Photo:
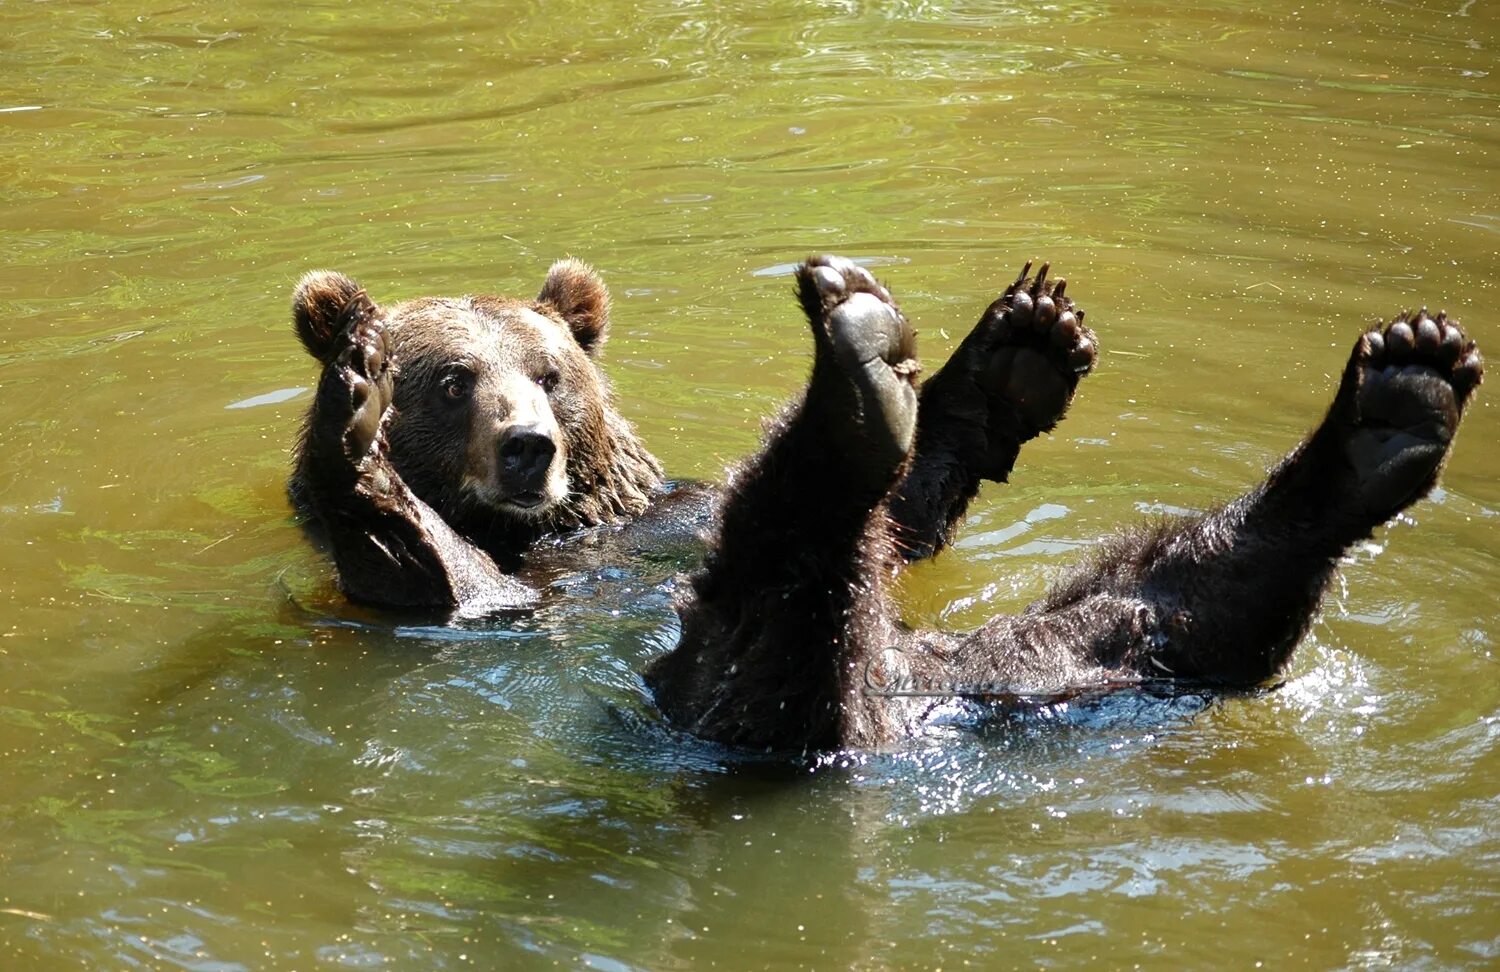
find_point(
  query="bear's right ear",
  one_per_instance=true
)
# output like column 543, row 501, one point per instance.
column 574, row 290
column 317, row 303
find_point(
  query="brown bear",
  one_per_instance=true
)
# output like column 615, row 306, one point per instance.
column 448, row 435
column 500, row 429
column 789, row 641
column 423, row 455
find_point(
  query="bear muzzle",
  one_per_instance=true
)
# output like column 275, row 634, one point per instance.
column 526, row 456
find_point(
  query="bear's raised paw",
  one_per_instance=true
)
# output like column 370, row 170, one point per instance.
column 1029, row 351
column 1402, row 397
column 860, row 332
column 354, row 393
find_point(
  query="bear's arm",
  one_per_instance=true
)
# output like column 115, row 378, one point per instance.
column 1011, row 379
column 393, row 551
column 1222, row 599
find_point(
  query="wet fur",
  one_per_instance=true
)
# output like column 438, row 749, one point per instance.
column 788, row 626
column 610, row 475
column 411, row 512
column 788, row 623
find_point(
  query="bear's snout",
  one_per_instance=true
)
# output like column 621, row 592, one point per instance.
column 526, row 453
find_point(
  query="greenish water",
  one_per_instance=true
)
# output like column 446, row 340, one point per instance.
column 208, row 762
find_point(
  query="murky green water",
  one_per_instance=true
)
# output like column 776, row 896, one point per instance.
column 207, row 762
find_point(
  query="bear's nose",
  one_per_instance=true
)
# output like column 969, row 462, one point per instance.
column 525, row 454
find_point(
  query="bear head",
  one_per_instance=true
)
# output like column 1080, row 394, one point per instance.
column 502, row 420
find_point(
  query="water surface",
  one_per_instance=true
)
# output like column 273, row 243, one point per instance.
column 208, row 762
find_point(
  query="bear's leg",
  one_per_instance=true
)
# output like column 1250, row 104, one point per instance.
column 1010, row 380
column 790, row 594
column 1225, row 597
column 391, row 549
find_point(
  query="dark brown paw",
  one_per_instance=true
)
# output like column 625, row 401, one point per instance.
column 1425, row 341
column 1035, row 312
column 858, row 326
column 354, row 393
column 1012, row 378
column 1030, row 350
column 1404, row 393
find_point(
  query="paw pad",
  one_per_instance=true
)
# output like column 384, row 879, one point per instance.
column 830, row 280
column 1400, row 405
column 1425, row 341
column 858, row 327
column 1035, row 308
column 848, row 306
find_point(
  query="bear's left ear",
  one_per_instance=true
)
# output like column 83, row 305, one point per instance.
column 574, row 291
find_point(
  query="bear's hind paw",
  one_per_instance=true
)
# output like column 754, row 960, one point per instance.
column 856, row 323
column 1029, row 351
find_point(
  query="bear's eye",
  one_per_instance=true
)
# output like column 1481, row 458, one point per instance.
column 455, row 386
column 548, row 380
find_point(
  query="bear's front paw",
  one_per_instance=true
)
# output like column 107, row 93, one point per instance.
column 355, row 390
column 860, row 331
column 1403, row 395
column 1028, row 353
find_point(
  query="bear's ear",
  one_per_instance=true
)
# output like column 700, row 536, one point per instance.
column 317, row 303
column 574, row 291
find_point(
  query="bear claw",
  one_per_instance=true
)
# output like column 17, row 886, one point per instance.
column 1437, row 343
column 1025, row 357
column 1036, row 306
